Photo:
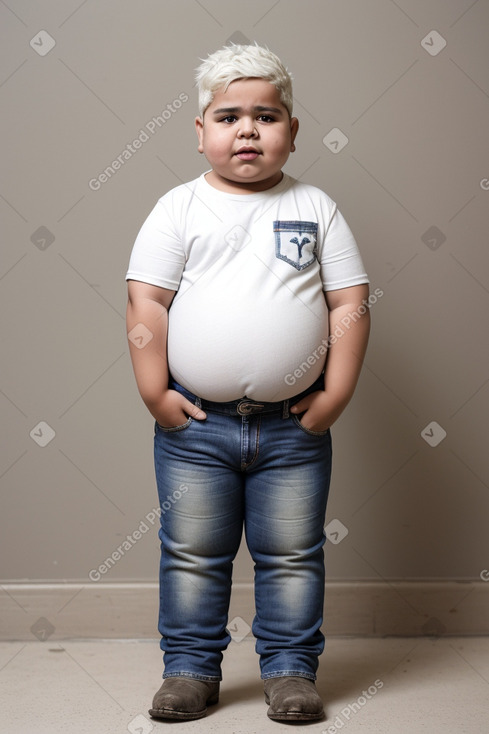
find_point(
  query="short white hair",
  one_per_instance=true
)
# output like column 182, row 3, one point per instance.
column 235, row 62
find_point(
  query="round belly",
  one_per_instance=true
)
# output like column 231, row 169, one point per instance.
column 270, row 351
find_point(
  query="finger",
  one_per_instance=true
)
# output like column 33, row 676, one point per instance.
column 193, row 411
column 301, row 406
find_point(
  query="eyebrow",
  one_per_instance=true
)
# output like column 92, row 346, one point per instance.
column 234, row 110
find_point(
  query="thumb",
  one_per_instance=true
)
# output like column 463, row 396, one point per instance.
column 194, row 411
column 300, row 407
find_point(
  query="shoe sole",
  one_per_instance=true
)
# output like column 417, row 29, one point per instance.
column 293, row 716
column 182, row 715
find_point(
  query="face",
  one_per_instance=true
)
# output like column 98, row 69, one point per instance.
column 247, row 136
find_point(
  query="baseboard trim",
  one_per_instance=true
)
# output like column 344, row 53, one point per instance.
column 61, row 611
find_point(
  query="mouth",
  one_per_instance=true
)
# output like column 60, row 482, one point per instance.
column 247, row 154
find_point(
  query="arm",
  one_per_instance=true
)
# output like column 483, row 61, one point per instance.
column 148, row 305
column 344, row 359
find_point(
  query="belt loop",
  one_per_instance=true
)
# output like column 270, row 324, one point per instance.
column 285, row 409
column 198, row 402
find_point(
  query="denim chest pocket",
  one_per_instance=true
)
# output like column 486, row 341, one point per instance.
column 296, row 242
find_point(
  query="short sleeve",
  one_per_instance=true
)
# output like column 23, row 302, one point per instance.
column 158, row 255
column 340, row 260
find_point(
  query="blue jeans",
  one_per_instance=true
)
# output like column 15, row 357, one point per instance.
column 250, row 465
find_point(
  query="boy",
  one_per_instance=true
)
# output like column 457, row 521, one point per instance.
column 236, row 280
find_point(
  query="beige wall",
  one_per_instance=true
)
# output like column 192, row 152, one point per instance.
column 416, row 160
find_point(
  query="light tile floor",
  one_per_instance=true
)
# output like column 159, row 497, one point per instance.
column 412, row 685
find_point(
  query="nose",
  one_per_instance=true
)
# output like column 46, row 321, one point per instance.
column 247, row 128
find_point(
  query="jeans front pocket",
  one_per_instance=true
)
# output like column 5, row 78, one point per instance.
column 308, row 431
column 174, row 429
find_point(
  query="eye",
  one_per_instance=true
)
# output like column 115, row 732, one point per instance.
column 266, row 118
column 229, row 119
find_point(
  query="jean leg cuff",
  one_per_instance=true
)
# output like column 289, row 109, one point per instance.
column 195, row 676
column 289, row 673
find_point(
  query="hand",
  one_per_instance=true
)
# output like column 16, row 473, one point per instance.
column 320, row 411
column 173, row 409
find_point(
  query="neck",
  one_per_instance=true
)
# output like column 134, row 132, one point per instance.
column 245, row 187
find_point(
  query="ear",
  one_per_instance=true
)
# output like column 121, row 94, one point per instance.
column 294, row 127
column 199, row 129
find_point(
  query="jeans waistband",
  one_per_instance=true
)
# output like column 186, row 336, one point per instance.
column 245, row 406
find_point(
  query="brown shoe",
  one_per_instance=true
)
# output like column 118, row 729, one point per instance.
column 184, row 698
column 292, row 698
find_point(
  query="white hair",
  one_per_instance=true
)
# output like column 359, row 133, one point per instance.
column 234, row 62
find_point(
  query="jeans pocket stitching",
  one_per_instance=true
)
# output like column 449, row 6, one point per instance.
column 307, row 431
column 175, row 429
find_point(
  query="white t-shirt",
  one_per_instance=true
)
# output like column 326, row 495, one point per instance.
column 249, row 271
